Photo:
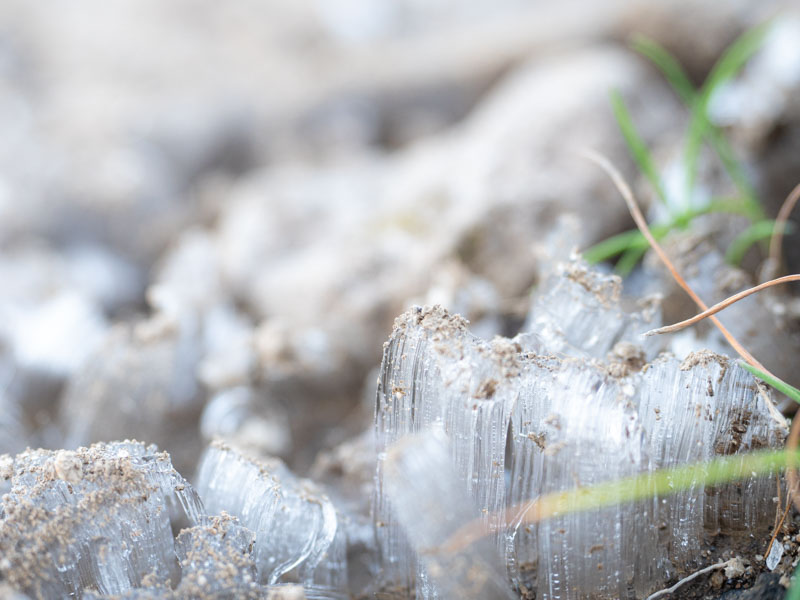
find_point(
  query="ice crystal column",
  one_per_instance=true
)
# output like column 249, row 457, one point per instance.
column 95, row 518
column 216, row 560
column 695, row 409
column 295, row 525
column 574, row 425
column 522, row 422
column 579, row 312
column 433, row 508
column 436, row 373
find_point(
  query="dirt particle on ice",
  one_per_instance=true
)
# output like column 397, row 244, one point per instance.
column 67, row 466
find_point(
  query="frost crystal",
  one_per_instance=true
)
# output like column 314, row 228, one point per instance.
column 96, row 518
column 521, row 422
column 295, row 525
column 580, row 314
column 432, row 507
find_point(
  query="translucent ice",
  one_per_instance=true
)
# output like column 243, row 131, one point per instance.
column 522, row 422
column 432, row 507
column 96, row 518
column 578, row 311
column 216, row 560
column 295, row 525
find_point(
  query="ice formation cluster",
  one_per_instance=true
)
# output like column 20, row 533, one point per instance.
column 98, row 523
column 468, row 431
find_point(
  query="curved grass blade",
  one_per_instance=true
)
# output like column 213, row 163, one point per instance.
column 629, row 259
column 636, row 146
column 783, row 387
column 676, row 76
column 762, row 230
column 794, row 591
column 612, row 246
column 728, row 65
column 668, row 65
column 663, row 482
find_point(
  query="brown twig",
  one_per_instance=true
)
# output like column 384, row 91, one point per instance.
column 543, row 507
column 724, row 304
column 707, row 569
column 777, row 529
column 791, row 462
column 641, row 223
column 780, row 224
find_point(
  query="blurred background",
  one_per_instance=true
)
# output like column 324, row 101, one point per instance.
column 211, row 213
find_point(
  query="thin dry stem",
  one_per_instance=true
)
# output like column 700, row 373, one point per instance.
column 777, row 529
column 687, row 579
column 776, row 415
column 791, row 462
column 722, row 305
column 641, row 223
column 780, row 225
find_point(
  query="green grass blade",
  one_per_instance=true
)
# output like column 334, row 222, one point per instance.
column 735, row 170
column 734, row 58
column 762, row 230
column 728, row 65
column 794, row 591
column 629, row 259
column 664, row 482
column 733, row 206
column 680, row 82
column 778, row 384
column 636, row 146
column 612, row 246
column 668, row 65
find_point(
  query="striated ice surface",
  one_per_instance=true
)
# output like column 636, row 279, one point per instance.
column 432, row 507
column 248, row 421
column 572, row 403
column 578, row 311
column 296, row 526
column 99, row 518
column 216, row 560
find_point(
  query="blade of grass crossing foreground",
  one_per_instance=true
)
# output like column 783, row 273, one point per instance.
column 726, row 67
column 662, row 483
column 778, row 384
column 636, row 146
column 762, row 230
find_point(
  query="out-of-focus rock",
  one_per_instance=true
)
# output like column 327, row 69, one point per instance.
column 246, row 421
column 141, row 382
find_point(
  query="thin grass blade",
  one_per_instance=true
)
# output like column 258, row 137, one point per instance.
column 778, row 384
column 668, row 65
column 636, row 146
column 762, row 230
column 729, row 64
